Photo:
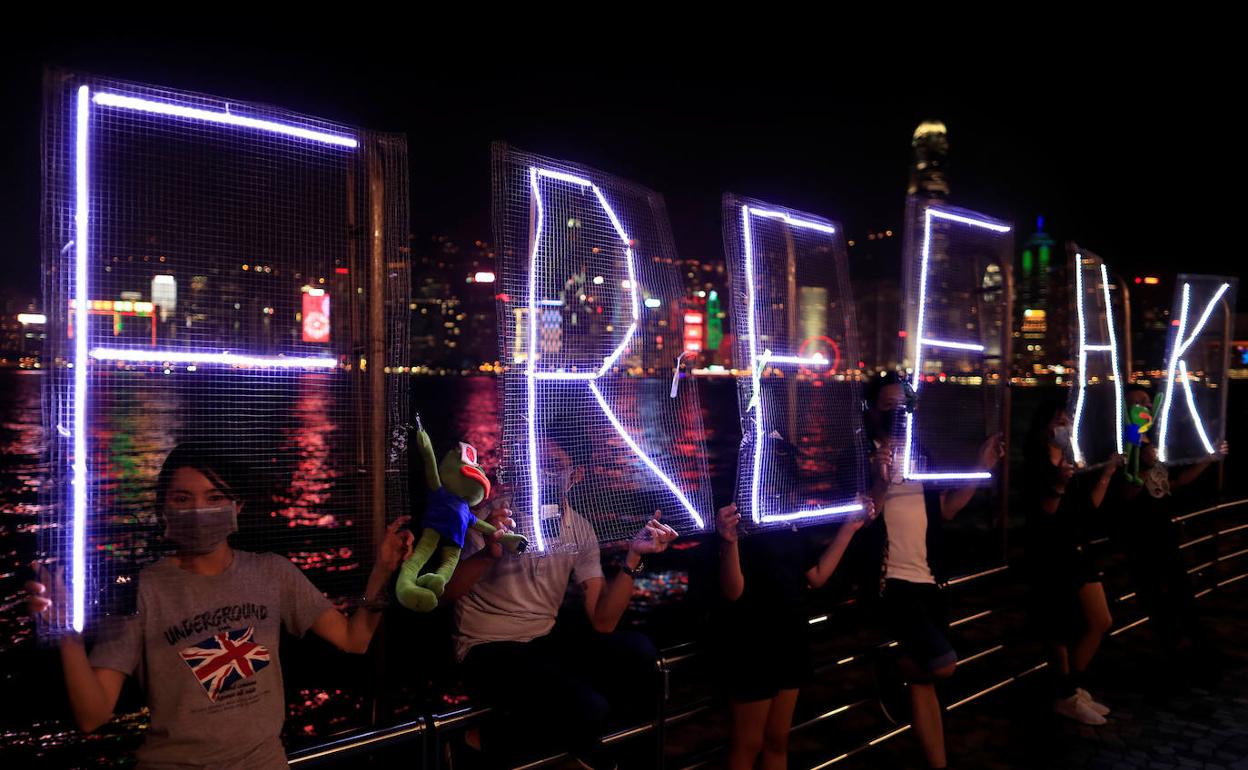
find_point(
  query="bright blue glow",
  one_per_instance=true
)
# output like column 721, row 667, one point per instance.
column 758, row 363
column 1191, row 405
column 946, row 476
column 1084, row 349
column 81, row 356
column 225, row 358
column 1076, row 452
column 619, row 428
column 794, row 221
column 815, row 514
column 929, row 342
column 81, row 324
column 929, row 214
column 105, row 99
column 993, row 226
column 533, row 376
column 1113, row 354
column 1181, row 345
column 530, row 363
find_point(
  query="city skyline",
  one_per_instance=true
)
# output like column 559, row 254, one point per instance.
column 1087, row 160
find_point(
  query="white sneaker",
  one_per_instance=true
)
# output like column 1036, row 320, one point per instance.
column 1077, row 709
column 1099, row 708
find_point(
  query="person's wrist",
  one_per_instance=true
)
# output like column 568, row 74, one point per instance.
column 379, row 576
column 632, row 560
column 375, row 601
column 633, row 572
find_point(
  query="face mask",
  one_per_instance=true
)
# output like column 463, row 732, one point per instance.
column 1061, row 436
column 555, row 486
column 885, row 422
column 200, row 530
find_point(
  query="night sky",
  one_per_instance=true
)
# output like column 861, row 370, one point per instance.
column 1134, row 165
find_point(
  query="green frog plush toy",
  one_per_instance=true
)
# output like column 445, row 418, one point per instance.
column 1139, row 420
column 455, row 486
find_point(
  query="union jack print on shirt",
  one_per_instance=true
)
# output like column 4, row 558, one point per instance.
column 222, row 660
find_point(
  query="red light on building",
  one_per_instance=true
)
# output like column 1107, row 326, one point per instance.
column 342, row 271
column 316, row 317
column 694, row 331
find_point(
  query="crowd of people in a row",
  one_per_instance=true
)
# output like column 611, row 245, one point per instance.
column 203, row 642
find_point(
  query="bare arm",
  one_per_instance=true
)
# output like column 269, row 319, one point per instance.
column 1192, row 472
column 354, row 634
column 605, row 602
column 1101, row 487
column 475, row 567
column 93, row 692
column 952, row 501
column 731, row 578
column 831, row 557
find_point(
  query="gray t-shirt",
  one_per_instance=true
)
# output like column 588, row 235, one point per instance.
column 205, row 651
column 518, row 599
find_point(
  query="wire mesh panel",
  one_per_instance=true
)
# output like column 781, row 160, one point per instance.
column 954, row 338
column 591, row 335
column 218, row 272
column 800, row 398
column 1096, row 406
column 1191, row 418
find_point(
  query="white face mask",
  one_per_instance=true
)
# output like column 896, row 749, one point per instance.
column 555, row 485
column 200, row 530
column 1061, row 436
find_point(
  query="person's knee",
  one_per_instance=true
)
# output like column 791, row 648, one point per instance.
column 590, row 711
column 747, row 735
column 776, row 741
column 1101, row 622
column 748, row 742
column 944, row 672
column 939, row 667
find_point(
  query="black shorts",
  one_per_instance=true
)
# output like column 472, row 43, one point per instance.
column 917, row 616
column 765, row 659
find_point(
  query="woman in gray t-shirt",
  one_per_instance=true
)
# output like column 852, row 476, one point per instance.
column 203, row 642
